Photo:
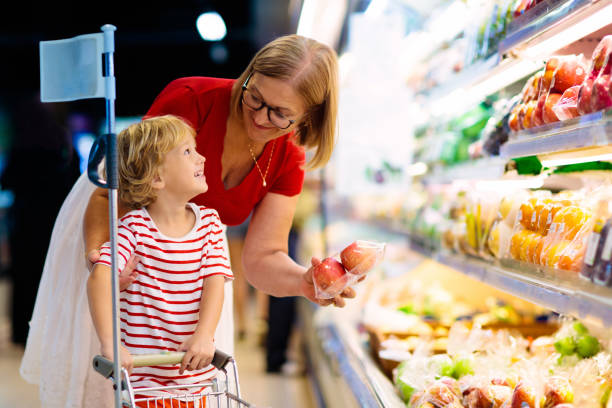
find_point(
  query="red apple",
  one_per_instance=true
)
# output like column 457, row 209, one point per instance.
column 523, row 396
column 584, row 97
column 548, row 114
column 359, row 257
column 601, row 57
column 570, row 72
column 567, row 107
column 600, row 97
column 328, row 275
column 539, row 111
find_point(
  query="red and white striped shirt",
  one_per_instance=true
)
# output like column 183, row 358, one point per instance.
column 160, row 310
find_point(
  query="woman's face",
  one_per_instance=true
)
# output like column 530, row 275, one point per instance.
column 277, row 100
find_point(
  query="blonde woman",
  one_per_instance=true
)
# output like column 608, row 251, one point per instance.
column 253, row 132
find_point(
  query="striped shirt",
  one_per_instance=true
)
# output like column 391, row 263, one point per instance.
column 160, row 310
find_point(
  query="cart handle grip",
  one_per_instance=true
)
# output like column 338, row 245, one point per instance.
column 104, row 366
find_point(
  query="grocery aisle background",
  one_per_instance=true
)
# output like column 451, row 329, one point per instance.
column 259, row 388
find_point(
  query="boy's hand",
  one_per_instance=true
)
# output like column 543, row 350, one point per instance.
column 199, row 352
column 127, row 361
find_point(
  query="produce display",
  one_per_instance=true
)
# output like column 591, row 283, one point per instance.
column 568, row 86
column 597, row 266
column 416, row 312
column 554, row 230
column 484, row 368
column 442, row 348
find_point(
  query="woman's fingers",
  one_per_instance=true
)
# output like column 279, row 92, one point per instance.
column 339, row 301
column 348, row 293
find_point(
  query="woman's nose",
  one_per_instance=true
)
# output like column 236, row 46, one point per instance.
column 261, row 116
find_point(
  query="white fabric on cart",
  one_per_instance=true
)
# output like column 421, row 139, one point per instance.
column 62, row 340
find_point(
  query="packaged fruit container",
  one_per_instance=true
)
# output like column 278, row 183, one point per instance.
column 551, row 232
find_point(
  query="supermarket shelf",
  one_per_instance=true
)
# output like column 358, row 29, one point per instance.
column 536, row 21
column 561, row 291
column 546, row 28
column 489, row 168
column 587, row 133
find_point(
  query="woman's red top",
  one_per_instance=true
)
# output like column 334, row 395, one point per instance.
column 205, row 104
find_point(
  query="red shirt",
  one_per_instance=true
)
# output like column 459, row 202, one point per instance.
column 205, row 104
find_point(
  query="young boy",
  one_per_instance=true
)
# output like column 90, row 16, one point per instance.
column 176, row 299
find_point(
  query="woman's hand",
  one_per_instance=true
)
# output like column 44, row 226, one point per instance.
column 308, row 290
column 199, row 352
column 126, row 277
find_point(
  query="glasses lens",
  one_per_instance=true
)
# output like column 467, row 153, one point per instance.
column 251, row 100
column 278, row 119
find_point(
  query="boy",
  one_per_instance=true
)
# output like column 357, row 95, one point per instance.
column 176, row 298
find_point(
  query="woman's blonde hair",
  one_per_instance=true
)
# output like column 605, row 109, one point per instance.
column 312, row 69
column 142, row 148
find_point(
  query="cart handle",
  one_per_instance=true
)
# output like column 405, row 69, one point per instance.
column 104, row 366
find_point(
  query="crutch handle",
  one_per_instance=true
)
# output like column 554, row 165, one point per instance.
column 104, row 366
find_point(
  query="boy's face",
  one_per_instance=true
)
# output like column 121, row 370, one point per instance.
column 182, row 172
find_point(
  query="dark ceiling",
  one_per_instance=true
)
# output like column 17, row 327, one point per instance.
column 154, row 44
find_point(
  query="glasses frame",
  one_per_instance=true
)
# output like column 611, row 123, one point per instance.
column 263, row 105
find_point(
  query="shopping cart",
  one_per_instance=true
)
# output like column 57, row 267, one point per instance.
column 214, row 395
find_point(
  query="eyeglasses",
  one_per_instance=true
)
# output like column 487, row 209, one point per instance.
column 256, row 103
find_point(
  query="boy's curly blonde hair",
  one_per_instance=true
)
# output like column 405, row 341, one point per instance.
column 141, row 148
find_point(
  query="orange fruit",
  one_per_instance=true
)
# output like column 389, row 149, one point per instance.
column 516, row 243
column 570, row 220
column 555, row 252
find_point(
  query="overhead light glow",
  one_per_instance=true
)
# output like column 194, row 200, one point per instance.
column 211, row 26
column 554, row 162
column 416, row 169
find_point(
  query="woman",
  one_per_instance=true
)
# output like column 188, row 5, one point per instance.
column 251, row 131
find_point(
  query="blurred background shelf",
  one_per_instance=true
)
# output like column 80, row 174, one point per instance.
column 586, row 136
column 551, row 27
column 564, row 292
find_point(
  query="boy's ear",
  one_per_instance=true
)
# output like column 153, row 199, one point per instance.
column 158, row 183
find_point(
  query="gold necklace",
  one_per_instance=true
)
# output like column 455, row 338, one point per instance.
column 263, row 176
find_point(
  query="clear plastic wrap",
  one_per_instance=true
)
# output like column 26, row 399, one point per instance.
column 594, row 91
column 567, row 106
column 552, row 231
column 337, row 272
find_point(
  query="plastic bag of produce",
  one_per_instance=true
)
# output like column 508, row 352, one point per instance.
column 561, row 73
column 588, row 100
column 567, row 106
column 444, row 392
column 337, row 272
column 597, row 264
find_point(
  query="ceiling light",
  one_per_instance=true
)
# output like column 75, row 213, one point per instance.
column 211, row 26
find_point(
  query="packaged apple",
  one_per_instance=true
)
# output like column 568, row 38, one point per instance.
column 591, row 98
column 561, row 74
column 567, row 106
column 337, row 272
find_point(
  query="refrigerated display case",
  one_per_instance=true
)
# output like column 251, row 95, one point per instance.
column 538, row 158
